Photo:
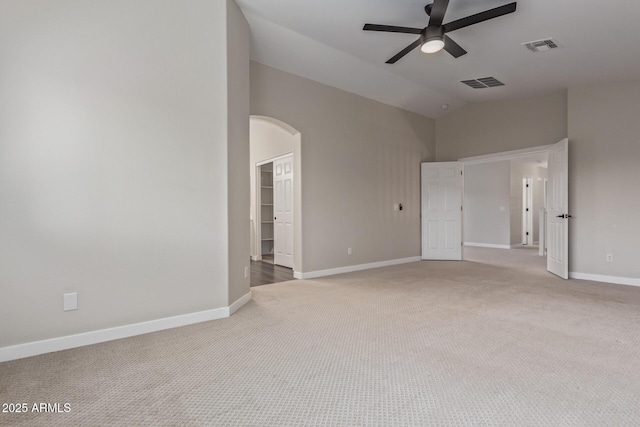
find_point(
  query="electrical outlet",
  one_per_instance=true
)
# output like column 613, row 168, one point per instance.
column 246, row 272
column 396, row 207
column 349, row 251
column 70, row 301
column 609, row 257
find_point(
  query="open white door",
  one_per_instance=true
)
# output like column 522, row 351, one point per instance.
column 283, row 211
column 558, row 210
column 442, row 211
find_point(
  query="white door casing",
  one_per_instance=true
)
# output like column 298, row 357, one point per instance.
column 441, row 211
column 558, row 210
column 283, row 211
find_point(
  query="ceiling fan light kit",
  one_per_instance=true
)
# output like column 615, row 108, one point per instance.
column 433, row 46
column 433, row 37
column 432, row 40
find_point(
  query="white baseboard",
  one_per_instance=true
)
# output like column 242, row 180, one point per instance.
column 350, row 268
column 487, row 245
column 629, row 281
column 239, row 303
column 35, row 348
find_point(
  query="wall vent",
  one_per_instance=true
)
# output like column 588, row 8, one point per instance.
column 541, row 45
column 483, row 82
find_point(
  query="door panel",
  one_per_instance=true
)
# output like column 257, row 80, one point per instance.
column 441, row 211
column 558, row 210
column 433, row 235
column 450, row 235
column 283, row 211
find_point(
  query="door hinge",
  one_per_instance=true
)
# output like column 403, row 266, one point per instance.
column 527, row 185
column 527, row 233
column 527, row 209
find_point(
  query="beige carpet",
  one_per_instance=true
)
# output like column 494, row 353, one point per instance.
column 472, row 343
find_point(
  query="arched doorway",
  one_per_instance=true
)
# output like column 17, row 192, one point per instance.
column 272, row 141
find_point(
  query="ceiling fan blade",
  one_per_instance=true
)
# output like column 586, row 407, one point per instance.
column 404, row 51
column 437, row 12
column 453, row 48
column 480, row 17
column 392, row 29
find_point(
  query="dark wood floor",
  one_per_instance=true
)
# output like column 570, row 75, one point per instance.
column 264, row 273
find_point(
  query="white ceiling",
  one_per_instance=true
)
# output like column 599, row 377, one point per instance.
column 324, row 41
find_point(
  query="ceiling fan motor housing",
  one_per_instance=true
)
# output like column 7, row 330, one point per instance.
column 432, row 33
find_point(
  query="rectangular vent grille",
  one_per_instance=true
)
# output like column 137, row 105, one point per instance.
column 483, row 83
column 541, row 45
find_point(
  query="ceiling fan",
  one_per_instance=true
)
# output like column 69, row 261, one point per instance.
column 433, row 37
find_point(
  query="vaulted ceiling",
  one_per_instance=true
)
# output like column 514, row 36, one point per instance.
column 323, row 41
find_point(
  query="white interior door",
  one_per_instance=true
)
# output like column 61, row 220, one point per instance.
column 558, row 210
column 442, row 211
column 283, row 211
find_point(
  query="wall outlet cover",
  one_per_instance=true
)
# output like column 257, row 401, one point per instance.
column 70, row 301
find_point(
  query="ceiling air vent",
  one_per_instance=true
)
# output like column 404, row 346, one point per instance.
column 541, row 45
column 484, row 82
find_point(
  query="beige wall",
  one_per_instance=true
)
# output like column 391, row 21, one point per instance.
column 604, row 150
column 486, row 203
column 359, row 157
column 493, row 127
column 238, row 150
column 113, row 163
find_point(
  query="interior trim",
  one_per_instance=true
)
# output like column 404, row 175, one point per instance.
column 504, row 155
column 629, row 281
column 350, row 268
column 487, row 245
column 36, row 348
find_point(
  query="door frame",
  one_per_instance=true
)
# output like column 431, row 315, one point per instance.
column 298, row 260
column 506, row 155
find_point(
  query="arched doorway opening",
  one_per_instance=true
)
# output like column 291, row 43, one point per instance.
column 275, row 147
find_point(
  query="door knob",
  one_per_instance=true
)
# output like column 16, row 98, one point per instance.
column 563, row 216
